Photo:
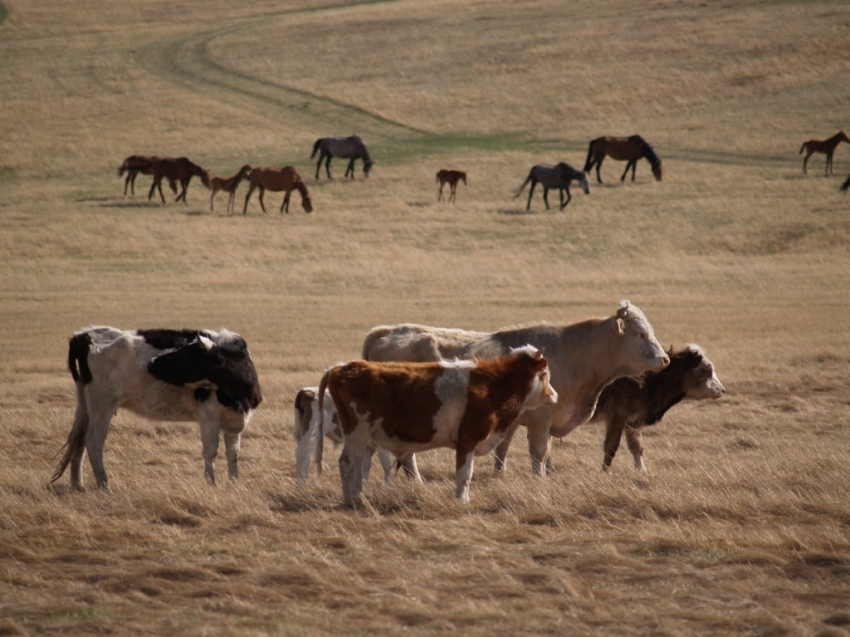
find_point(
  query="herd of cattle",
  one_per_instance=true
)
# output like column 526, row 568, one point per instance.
column 415, row 388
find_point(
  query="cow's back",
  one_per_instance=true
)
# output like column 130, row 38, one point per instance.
column 408, row 342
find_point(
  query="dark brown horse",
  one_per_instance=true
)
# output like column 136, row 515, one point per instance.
column 136, row 164
column 450, row 177
column 228, row 185
column 628, row 149
column 180, row 169
column 278, row 179
column 845, row 186
column 559, row 176
column 825, row 146
column 350, row 148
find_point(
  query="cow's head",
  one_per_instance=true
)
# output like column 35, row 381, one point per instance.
column 637, row 350
column 700, row 378
column 540, row 391
column 217, row 359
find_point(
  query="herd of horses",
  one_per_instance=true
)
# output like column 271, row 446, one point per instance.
column 632, row 149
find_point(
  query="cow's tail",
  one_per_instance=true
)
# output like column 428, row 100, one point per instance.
column 316, row 147
column 78, row 357
column 802, row 148
column 524, row 184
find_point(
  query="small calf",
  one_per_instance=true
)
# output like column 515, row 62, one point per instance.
column 633, row 403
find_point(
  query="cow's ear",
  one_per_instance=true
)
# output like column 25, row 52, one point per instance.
column 618, row 326
column 540, row 353
column 623, row 310
column 206, row 344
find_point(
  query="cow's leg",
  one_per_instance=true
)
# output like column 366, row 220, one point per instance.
column 464, row 462
column 613, row 434
column 386, row 460
column 354, row 450
column 502, row 450
column 209, row 444
column 408, row 463
column 634, row 438
column 95, row 440
column 232, row 443
column 539, row 445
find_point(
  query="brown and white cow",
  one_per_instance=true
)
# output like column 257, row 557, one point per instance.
column 409, row 407
column 306, row 423
column 633, row 403
column 583, row 357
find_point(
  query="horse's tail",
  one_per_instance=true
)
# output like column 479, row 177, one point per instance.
column 316, row 147
column 845, row 186
column 525, row 183
column 320, row 435
column 589, row 161
column 802, row 148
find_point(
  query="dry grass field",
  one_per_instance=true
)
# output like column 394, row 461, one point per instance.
column 741, row 525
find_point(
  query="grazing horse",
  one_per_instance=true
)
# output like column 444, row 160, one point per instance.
column 136, row 164
column 180, row 169
column 450, row 177
column 825, row 146
column 628, row 149
column 845, row 185
column 350, row 148
column 228, row 185
column 559, row 176
column 277, row 179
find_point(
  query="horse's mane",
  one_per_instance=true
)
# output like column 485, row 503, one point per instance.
column 302, row 188
column 648, row 152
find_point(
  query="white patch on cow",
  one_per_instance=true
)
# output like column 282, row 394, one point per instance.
column 451, row 388
column 490, row 442
column 529, row 350
column 463, row 477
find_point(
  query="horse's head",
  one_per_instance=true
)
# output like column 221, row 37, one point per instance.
column 307, row 203
column 843, row 136
column 584, row 180
column 656, row 171
column 463, row 176
column 367, row 167
column 205, row 177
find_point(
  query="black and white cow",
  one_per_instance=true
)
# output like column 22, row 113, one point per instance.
column 161, row 374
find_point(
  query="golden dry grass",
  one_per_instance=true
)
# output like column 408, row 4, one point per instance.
column 742, row 523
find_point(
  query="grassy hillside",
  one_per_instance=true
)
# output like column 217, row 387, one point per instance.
column 741, row 524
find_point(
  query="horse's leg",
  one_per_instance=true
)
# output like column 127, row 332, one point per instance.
column 328, row 165
column 806, row 161
column 569, row 198
column 530, row 192
column 350, row 169
column 127, row 182
column 453, row 192
column 319, row 165
column 626, row 171
column 440, row 193
column 262, row 205
column 184, row 185
column 157, row 184
column 284, row 206
column 828, row 169
column 212, row 198
column 598, row 166
column 231, row 200
column 546, row 196
column 247, row 197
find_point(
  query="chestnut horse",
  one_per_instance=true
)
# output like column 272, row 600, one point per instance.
column 559, row 176
column 450, row 177
column 180, row 169
column 825, row 146
column 228, row 185
column 350, row 148
column 136, row 164
column 628, row 149
column 277, row 179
